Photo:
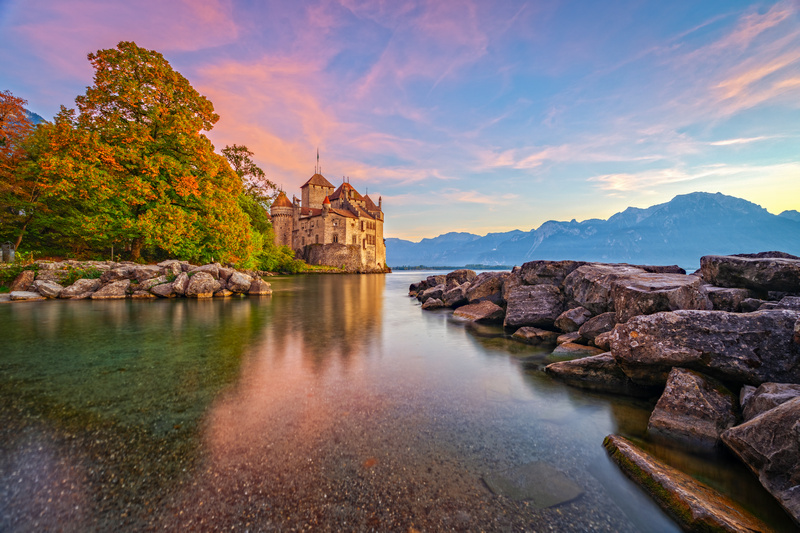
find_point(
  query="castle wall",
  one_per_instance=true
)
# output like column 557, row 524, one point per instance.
column 313, row 195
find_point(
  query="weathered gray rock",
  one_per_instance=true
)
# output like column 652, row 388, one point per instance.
column 119, row 273
column 433, row 281
column 770, row 446
column 211, row 268
column 538, row 483
column 180, row 284
column 647, row 293
column 172, row 266
column 597, row 325
column 745, row 393
column 145, row 272
column 694, row 409
column 142, row 295
column 259, row 287
column 571, row 350
column 727, row 299
column 787, row 302
column 148, row 284
column 568, row 337
column 598, row 373
column 603, row 341
column 48, row 289
column 79, row 288
column 165, row 290
column 202, row 284
column 751, row 304
column 572, row 319
column 766, row 397
column 24, row 296
column 487, row 286
column 415, row 288
column 238, row 282
column 485, row 311
column 537, row 305
column 759, row 274
column 514, row 279
column 223, row 293
column 591, row 285
column 661, row 269
column 750, row 348
column 433, row 303
column 23, row 281
column 548, row 272
column 535, row 336
column 458, row 277
column 457, row 296
column 796, row 336
column 53, row 275
column 694, row 505
column 435, row 292
column 225, row 273
column 112, row 291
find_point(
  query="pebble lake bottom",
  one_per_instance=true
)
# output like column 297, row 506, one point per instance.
column 336, row 404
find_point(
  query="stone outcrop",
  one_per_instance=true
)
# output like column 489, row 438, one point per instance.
column 433, row 303
column 165, row 290
column 769, row 445
column 459, row 277
column 80, row 289
column 148, row 284
column 180, row 284
column 572, row 319
column 537, row 305
column 457, row 296
column 597, row 325
column 767, row 396
column 259, row 287
column 435, row 292
column 238, row 282
column 114, row 290
column 694, row 505
column 25, row 296
column 486, row 286
column 548, row 272
column 23, row 281
column 48, row 289
column 727, row 299
column 202, row 284
column 759, row 274
column 694, row 409
column 647, row 293
column 211, row 268
column 748, row 348
column 598, row 373
column 591, row 285
column 485, row 311
column 787, row 302
column 535, row 336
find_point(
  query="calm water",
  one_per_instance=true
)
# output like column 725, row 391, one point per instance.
column 335, row 404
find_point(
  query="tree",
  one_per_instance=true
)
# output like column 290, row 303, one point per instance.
column 144, row 174
column 255, row 182
column 17, row 194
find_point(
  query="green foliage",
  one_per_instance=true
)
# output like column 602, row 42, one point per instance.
column 10, row 271
column 81, row 273
column 254, row 181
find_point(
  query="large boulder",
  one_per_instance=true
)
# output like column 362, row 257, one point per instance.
column 485, row 312
column 172, row 266
column 59, row 276
column 572, row 319
column 571, row 350
column 727, row 298
column 165, row 290
column 457, row 296
column 458, row 277
column 693, row 409
column 23, row 281
column 694, row 505
column 770, row 446
column 648, row 293
column 210, row 268
column 745, row 348
column 547, row 272
column 259, row 287
column 119, row 273
column 112, row 291
column 435, row 292
column 598, row 373
column 80, row 289
column 180, row 284
column 24, row 296
column 538, row 305
column 148, row 284
column 766, row 397
column 202, row 284
column 48, row 289
column 225, row 273
column 514, row 279
column 433, row 303
column 759, row 274
column 597, row 325
column 145, row 272
column 787, row 302
column 591, row 285
column 487, row 286
column 535, row 336
column 238, row 282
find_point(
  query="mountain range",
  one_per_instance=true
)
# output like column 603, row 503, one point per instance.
column 676, row 232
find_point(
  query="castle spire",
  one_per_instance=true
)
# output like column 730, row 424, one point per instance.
column 316, row 168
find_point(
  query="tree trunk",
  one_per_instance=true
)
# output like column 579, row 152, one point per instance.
column 136, row 248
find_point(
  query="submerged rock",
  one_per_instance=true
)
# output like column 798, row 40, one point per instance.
column 694, row 505
column 538, row 306
column 761, row 274
column 535, row 336
column 539, row 483
column 770, row 446
column 260, row 287
column 598, row 373
column 568, row 337
column 571, row 350
column 694, row 409
column 767, row 396
column 481, row 312
column 433, row 303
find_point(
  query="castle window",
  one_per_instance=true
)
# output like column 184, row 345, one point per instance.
column 316, row 238
column 335, row 237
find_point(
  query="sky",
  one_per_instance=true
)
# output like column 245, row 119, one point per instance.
column 477, row 116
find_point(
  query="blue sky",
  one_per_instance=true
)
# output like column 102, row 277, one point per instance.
column 464, row 116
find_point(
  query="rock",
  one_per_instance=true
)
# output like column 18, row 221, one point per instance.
column 645, row 294
column 766, row 397
column 433, row 303
column 25, row 296
column 53, row 275
column 751, row 304
column 79, row 288
column 487, row 286
column 415, row 288
column 172, row 266
column 548, row 272
column 572, row 319
column 458, row 277
column 541, row 484
column 165, row 290
column 694, row 409
column 749, row 348
column 568, row 337
column 211, row 268
column 259, row 287
column 202, row 284
column 457, row 296
column 180, row 284
column 603, row 341
column 727, row 299
column 535, row 336
column 486, row 312
column 538, row 305
column 597, row 325
column 23, row 281
column 512, row 280
column 598, row 373
column 48, row 289
column 226, row 273
column 591, row 285
column 435, row 292
column 112, row 291
column 745, row 394
column 759, row 274
column 223, row 293
column 759, row 255
column 116, row 274
column 433, row 281
column 238, row 282
column 787, row 302
column 694, row 505
column 570, row 350
column 142, row 295
column 148, row 284
column 662, row 269
column 145, row 272
column 770, row 446
column 796, row 336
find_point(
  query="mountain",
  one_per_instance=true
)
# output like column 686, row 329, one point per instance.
column 676, row 232
column 34, row 118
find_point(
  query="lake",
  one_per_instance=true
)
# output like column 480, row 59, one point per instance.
column 335, row 404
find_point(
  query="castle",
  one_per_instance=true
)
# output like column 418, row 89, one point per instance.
column 331, row 227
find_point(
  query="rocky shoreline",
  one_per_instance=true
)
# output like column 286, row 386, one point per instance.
column 107, row 280
column 719, row 348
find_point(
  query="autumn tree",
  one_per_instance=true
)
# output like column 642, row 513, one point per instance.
column 135, row 158
column 254, row 181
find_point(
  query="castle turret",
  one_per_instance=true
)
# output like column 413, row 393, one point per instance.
column 282, row 214
column 326, row 207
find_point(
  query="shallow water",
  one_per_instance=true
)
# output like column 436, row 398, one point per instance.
column 334, row 404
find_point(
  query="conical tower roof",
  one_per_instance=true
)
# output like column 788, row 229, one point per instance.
column 282, row 200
